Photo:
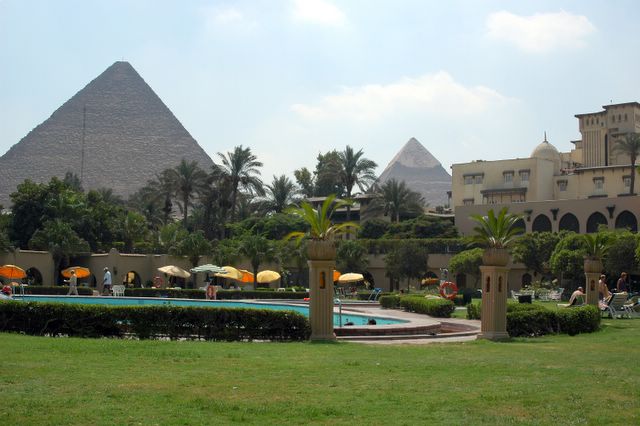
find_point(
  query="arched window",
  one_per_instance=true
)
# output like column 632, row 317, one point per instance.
column 131, row 279
column 526, row 279
column 594, row 221
column 627, row 220
column 34, row 277
column 520, row 224
column 541, row 224
column 569, row 222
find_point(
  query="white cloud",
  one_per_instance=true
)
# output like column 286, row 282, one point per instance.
column 216, row 18
column 437, row 94
column 541, row 32
column 319, row 12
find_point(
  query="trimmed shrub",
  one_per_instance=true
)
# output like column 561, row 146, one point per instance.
column 437, row 307
column 585, row 319
column 473, row 311
column 222, row 294
column 148, row 322
column 389, row 301
column 531, row 322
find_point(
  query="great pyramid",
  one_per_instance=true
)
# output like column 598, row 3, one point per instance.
column 421, row 171
column 115, row 133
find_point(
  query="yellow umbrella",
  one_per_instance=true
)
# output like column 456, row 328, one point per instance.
column 230, row 272
column 81, row 272
column 174, row 271
column 350, row 278
column 12, row 272
column 267, row 276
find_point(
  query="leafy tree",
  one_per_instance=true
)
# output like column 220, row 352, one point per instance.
column 621, row 253
column 355, row 171
column 5, row 243
column 630, row 146
column 170, row 236
column 280, row 194
column 73, row 181
column 157, row 195
column 567, row 259
column 193, row 246
column 242, row 169
column 226, row 251
column 433, row 227
column 373, row 228
column 292, row 256
column 351, row 256
column 27, row 211
column 187, row 180
column 406, row 261
column 133, row 230
column 395, row 199
column 99, row 223
column 274, row 227
column 304, row 179
column 257, row 249
column 59, row 239
column 467, row 262
column 327, row 174
column 534, row 250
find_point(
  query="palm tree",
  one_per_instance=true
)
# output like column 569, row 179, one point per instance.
column 394, row 198
column 160, row 190
column 630, row 146
column 257, row 249
column 321, row 227
column 241, row 166
column 496, row 234
column 356, row 170
column 280, row 194
column 188, row 180
column 193, row 246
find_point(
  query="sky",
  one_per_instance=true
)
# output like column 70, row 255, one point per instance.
column 293, row 78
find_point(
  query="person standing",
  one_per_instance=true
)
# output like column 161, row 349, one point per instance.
column 622, row 285
column 73, row 283
column 106, row 282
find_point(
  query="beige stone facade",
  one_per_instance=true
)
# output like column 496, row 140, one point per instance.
column 577, row 190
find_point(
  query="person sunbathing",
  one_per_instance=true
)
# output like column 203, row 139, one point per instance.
column 576, row 299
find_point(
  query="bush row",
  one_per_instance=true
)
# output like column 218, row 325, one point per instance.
column 437, row 307
column 535, row 320
column 389, row 301
column 152, row 322
column 222, row 294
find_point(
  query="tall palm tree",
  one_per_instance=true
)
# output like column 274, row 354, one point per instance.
column 242, row 168
column 394, row 199
column 356, row 170
column 630, row 145
column 160, row 190
column 188, row 180
column 280, row 194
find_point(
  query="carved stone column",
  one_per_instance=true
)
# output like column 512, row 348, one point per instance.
column 592, row 271
column 321, row 265
column 494, row 295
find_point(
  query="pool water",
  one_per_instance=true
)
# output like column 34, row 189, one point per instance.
column 354, row 319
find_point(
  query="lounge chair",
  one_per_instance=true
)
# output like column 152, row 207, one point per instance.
column 556, row 294
column 615, row 305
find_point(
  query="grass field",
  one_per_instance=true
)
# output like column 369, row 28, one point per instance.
column 586, row 379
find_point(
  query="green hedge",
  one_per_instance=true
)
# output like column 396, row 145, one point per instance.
column 441, row 308
column 224, row 324
column 433, row 245
column 530, row 320
column 58, row 290
column 222, row 294
column 389, row 301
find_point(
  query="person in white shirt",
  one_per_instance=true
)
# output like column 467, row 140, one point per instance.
column 106, row 282
column 73, row 283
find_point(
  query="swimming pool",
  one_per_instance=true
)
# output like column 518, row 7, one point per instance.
column 355, row 319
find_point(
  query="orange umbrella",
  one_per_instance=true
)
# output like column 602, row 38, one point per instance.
column 12, row 272
column 336, row 275
column 247, row 277
column 81, row 272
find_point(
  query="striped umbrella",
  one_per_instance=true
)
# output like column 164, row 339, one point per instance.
column 212, row 269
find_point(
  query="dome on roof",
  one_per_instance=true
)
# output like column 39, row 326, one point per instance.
column 546, row 151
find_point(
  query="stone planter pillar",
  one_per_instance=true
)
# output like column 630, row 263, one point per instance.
column 494, row 295
column 592, row 271
column 321, row 265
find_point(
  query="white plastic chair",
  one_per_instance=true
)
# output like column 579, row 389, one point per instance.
column 118, row 290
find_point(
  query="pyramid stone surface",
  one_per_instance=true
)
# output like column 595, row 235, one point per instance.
column 129, row 135
column 421, row 172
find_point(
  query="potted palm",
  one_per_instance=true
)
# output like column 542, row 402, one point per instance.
column 596, row 246
column 496, row 234
column 322, row 231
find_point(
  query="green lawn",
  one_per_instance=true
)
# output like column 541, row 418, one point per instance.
column 586, row 379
